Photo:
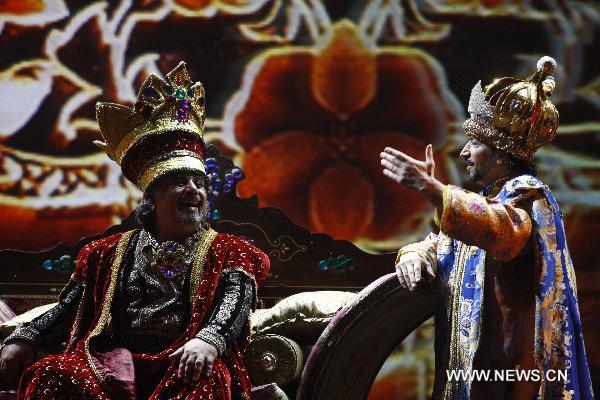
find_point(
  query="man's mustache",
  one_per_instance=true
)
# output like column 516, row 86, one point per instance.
column 190, row 200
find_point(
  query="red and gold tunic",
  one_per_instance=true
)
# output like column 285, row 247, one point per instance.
column 90, row 368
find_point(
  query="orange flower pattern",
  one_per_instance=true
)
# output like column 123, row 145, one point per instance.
column 315, row 122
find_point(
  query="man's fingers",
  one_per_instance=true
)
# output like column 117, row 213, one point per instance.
column 413, row 274
column 395, row 167
column 208, row 369
column 398, row 154
column 406, row 275
column 429, row 160
column 392, row 175
column 181, row 369
column 389, row 165
column 429, row 269
column 190, row 366
column 403, row 276
column 417, row 272
column 401, row 272
column 197, row 369
column 399, row 275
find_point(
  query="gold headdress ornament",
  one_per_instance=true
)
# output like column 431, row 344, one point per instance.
column 161, row 134
column 514, row 115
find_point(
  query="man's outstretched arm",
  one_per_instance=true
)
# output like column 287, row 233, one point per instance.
column 502, row 229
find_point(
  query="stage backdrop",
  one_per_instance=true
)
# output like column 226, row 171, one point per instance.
column 304, row 94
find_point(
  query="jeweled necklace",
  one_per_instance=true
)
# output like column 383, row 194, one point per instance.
column 171, row 258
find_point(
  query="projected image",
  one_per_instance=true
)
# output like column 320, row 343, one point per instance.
column 303, row 95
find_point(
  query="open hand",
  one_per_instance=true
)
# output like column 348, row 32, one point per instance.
column 406, row 170
column 413, row 174
column 196, row 357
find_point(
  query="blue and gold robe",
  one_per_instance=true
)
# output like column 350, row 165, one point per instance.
column 474, row 227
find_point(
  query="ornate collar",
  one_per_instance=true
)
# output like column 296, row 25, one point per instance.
column 171, row 258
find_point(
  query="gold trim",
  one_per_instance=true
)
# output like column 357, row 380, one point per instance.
column 106, row 306
column 481, row 302
column 451, row 387
column 199, row 263
column 78, row 316
column 168, row 165
column 425, row 249
column 415, row 248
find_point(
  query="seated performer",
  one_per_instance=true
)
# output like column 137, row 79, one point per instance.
column 507, row 295
column 160, row 312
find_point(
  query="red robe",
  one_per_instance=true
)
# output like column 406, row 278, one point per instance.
column 83, row 373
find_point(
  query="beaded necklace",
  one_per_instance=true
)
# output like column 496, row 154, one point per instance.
column 171, row 258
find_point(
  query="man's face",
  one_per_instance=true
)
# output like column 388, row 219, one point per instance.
column 480, row 160
column 180, row 200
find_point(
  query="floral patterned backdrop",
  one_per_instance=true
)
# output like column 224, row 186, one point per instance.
column 304, row 94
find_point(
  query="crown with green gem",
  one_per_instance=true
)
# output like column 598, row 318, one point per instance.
column 174, row 104
column 162, row 133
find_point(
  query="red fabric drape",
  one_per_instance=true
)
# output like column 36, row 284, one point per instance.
column 73, row 375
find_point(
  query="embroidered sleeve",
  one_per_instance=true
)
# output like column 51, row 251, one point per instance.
column 426, row 250
column 53, row 326
column 501, row 229
column 235, row 296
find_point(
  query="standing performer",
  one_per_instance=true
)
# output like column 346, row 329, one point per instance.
column 506, row 285
column 160, row 312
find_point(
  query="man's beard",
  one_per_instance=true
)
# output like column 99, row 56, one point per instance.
column 477, row 175
column 474, row 177
column 188, row 218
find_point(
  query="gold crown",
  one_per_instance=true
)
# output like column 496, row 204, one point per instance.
column 514, row 115
column 163, row 133
column 174, row 105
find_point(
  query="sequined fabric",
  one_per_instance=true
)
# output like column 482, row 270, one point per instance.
column 65, row 376
column 68, row 376
column 235, row 296
column 477, row 231
column 154, row 309
column 52, row 327
column 99, row 266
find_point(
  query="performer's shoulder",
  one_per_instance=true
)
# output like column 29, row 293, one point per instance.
column 526, row 183
column 232, row 240
column 529, row 187
column 236, row 243
column 100, row 244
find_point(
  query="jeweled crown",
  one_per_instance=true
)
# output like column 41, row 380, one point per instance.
column 163, row 132
column 514, row 115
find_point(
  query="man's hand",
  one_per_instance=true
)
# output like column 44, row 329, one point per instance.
column 414, row 174
column 14, row 359
column 410, row 270
column 195, row 356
